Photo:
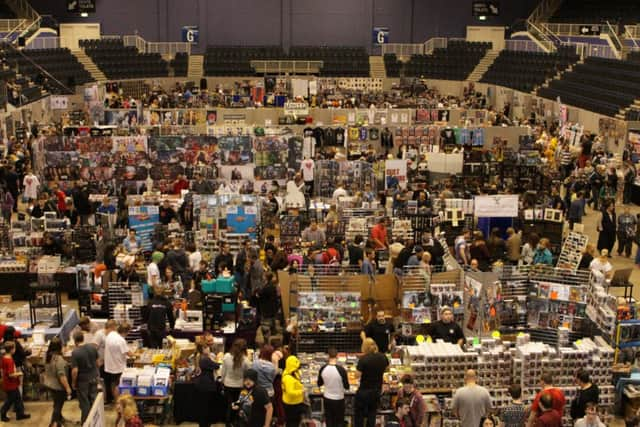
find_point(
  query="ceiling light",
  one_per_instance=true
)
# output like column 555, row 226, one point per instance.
column 84, row 14
column 482, row 18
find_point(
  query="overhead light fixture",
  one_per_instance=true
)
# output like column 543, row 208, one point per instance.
column 482, row 18
column 84, row 14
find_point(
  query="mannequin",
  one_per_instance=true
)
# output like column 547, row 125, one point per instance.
column 294, row 197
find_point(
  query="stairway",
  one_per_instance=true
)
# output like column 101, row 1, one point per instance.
column 89, row 65
column 196, row 68
column 377, row 69
column 483, row 66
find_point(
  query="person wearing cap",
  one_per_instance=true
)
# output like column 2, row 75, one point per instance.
column 446, row 328
column 414, row 260
column 254, row 405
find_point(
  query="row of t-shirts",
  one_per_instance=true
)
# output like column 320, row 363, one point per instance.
column 325, row 137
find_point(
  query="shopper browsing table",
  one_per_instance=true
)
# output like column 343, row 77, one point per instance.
column 380, row 331
column 379, row 236
column 399, row 418
column 417, row 407
column 371, row 367
column 116, row 352
column 335, row 381
column 313, row 236
column 55, row 380
column 471, row 402
column 84, row 374
column 253, row 405
column 158, row 312
column 446, row 328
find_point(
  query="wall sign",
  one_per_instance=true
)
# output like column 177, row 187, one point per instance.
column 190, row 34
column 81, row 6
column 380, row 35
column 296, row 109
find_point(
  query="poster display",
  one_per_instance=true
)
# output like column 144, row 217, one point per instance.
column 242, row 219
column 143, row 219
column 235, row 150
column 395, row 173
column 498, row 206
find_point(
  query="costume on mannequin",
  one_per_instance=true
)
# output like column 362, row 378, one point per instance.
column 294, row 197
column 307, row 168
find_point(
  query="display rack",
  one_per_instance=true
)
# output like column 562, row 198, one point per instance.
column 45, row 297
column 572, row 249
column 125, row 303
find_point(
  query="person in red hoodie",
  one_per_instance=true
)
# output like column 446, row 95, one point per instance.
column 11, row 385
column 557, row 397
column 547, row 416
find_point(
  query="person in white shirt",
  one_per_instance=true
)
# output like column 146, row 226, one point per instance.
column 99, row 339
column 335, row 381
column 602, row 265
column 339, row 193
column 153, row 272
column 194, row 258
column 30, row 183
column 591, row 418
column 116, row 352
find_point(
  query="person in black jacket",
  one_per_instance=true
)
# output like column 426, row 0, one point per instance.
column 159, row 311
column 225, row 258
column 587, row 392
column 207, row 391
column 607, row 228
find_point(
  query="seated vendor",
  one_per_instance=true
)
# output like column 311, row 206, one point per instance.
column 313, row 236
column 132, row 243
column 446, row 328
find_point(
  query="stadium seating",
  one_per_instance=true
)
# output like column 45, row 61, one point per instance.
column 118, row 61
column 600, row 85
column 60, row 63
column 525, row 71
column 236, row 60
column 180, row 64
column 392, row 65
column 598, row 11
column 455, row 62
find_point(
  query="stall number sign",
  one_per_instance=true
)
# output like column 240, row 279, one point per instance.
column 380, row 35
column 190, row 34
column 296, row 108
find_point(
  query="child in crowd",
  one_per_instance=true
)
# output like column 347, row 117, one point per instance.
column 11, row 385
column 128, row 412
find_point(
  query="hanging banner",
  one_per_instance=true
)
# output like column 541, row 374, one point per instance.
column 498, row 206
column 242, row 219
column 395, row 173
column 296, row 109
column 143, row 219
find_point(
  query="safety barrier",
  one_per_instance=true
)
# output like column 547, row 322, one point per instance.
column 403, row 49
column 44, row 43
column 522, row 46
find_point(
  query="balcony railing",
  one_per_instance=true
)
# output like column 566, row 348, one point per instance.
column 403, row 49
column 291, row 67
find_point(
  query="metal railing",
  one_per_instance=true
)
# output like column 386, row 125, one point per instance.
column 522, row 46
column 435, row 43
column 613, row 35
column 571, row 29
column 539, row 34
column 44, row 43
column 403, row 49
column 632, row 31
column 8, row 25
column 282, row 67
column 163, row 48
column 585, row 50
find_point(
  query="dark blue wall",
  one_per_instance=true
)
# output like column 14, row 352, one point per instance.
column 288, row 22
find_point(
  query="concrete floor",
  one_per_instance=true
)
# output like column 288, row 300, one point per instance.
column 41, row 411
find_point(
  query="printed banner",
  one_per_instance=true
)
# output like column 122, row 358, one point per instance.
column 143, row 219
column 395, row 173
column 498, row 206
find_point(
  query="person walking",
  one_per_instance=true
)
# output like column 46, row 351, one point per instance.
column 292, row 392
column 335, row 381
column 607, row 228
column 471, row 402
column 371, row 367
column 11, row 385
column 55, row 380
column 627, row 225
column 234, row 364
column 84, row 374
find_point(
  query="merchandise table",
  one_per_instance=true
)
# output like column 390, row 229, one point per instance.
column 186, row 402
column 248, row 335
column 17, row 284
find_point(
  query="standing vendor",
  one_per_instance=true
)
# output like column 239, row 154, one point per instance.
column 446, row 329
column 380, row 331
